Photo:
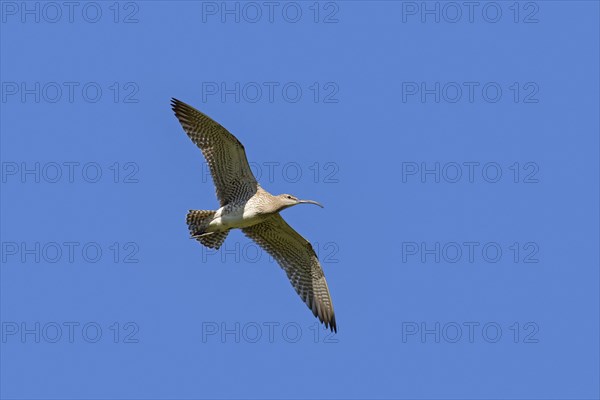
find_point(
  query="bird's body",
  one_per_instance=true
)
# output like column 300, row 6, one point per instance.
column 247, row 206
column 243, row 214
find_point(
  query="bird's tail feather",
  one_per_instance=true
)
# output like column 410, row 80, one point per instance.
column 197, row 221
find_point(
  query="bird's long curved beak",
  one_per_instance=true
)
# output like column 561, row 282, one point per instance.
column 310, row 202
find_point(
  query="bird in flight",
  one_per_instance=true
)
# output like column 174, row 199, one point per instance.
column 247, row 206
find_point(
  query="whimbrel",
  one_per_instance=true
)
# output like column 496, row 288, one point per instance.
column 247, row 206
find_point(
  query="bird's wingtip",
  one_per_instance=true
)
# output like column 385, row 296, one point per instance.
column 174, row 103
column 333, row 324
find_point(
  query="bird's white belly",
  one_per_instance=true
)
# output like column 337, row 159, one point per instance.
column 238, row 217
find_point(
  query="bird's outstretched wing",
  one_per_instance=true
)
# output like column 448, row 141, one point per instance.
column 299, row 260
column 225, row 155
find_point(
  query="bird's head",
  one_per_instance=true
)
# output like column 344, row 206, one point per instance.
column 287, row 200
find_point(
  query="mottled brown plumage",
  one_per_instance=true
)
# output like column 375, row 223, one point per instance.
column 247, row 206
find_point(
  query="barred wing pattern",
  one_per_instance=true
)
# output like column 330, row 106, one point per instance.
column 299, row 260
column 225, row 155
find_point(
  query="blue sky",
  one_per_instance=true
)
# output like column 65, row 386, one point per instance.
column 455, row 149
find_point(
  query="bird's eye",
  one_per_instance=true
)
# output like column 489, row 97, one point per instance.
column 290, row 197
